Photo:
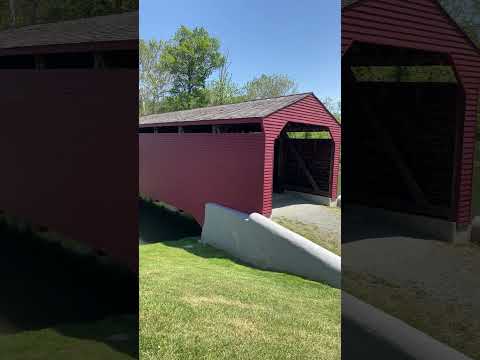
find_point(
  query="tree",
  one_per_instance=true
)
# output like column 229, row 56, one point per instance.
column 154, row 80
column 223, row 90
column 334, row 106
column 190, row 58
column 467, row 14
column 267, row 86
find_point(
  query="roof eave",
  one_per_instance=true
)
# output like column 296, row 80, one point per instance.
column 203, row 122
column 131, row 44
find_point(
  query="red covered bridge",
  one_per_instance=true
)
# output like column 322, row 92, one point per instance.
column 409, row 143
column 68, row 143
column 237, row 155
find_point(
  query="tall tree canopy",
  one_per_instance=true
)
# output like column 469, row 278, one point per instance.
column 334, row 106
column 267, row 86
column 190, row 71
column 154, row 80
column 223, row 90
column 190, row 58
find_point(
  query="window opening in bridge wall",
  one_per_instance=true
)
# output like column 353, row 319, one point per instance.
column 239, row 128
column 419, row 74
column 120, row 59
column 116, row 59
column 158, row 129
column 204, row 129
column 17, row 62
column 303, row 158
column 197, row 129
column 69, row 61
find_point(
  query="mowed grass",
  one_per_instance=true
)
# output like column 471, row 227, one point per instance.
column 311, row 232
column 111, row 338
column 196, row 303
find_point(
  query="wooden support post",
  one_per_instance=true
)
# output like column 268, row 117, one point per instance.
column 280, row 162
column 39, row 62
column 98, row 61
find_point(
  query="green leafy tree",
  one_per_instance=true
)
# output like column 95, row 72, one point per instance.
column 467, row 14
column 154, row 80
column 223, row 90
column 11, row 13
column 190, row 57
column 267, row 86
column 334, row 106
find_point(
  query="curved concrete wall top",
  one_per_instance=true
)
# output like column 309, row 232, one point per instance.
column 408, row 340
column 261, row 242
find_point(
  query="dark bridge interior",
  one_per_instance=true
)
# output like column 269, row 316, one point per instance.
column 401, row 124
column 303, row 160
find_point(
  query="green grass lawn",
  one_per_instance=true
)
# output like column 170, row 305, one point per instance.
column 196, row 303
column 112, row 338
column 311, row 232
column 57, row 303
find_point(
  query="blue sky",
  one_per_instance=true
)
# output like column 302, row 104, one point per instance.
column 300, row 38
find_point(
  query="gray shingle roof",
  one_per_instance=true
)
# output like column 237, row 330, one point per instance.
column 248, row 109
column 347, row 2
column 117, row 27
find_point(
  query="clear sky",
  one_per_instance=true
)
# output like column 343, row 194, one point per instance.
column 300, row 38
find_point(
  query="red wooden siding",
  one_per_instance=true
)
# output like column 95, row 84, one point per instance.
column 71, row 170
column 189, row 170
column 423, row 25
column 308, row 111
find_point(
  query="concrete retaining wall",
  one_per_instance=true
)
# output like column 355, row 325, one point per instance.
column 262, row 243
column 428, row 226
column 316, row 199
column 409, row 341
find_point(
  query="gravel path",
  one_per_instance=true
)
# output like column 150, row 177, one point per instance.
column 294, row 207
column 445, row 271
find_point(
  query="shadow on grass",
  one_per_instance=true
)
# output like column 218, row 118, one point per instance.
column 158, row 224
column 45, row 285
column 180, row 231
